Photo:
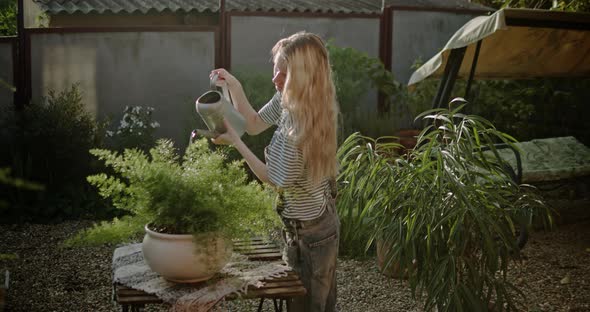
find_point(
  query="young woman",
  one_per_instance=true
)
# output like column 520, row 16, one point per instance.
column 300, row 161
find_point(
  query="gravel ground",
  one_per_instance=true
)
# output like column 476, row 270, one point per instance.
column 554, row 275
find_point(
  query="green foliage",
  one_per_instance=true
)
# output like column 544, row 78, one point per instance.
column 136, row 129
column 573, row 5
column 48, row 143
column 125, row 229
column 538, row 108
column 561, row 5
column 199, row 193
column 355, row 74
column 446, row 211
column 355, row 222
column 350, row 77
column 527, row 109
column 8, row 18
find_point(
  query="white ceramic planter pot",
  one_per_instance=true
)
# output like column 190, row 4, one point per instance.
column 184, row 259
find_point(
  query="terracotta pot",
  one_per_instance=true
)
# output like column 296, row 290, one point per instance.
column 184, row 258
column 393, row 270
column 408, row 138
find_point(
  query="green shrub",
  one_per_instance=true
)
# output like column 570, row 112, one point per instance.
column 538, row 108
column 355, row 74
column 200, row 193
column 47, row 143
column 8, row 18
column 351, row 77
column 527, row 109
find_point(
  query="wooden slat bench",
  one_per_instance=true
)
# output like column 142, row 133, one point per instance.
column 258, row 249
column 279, row 289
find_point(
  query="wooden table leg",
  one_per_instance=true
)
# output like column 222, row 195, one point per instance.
column 137, row 308
column 278, row 303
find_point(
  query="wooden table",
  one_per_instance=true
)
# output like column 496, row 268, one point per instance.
column 278, row 289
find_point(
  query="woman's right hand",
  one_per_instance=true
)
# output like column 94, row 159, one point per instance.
column 223, row 77
column 230, row 137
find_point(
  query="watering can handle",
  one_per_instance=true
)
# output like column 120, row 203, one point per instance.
column 213, row 86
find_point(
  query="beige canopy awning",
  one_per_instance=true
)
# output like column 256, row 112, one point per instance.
column 518, row 44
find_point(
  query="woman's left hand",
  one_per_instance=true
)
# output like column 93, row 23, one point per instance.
column 230, row 137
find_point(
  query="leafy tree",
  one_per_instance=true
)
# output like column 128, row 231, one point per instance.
column 8, row 17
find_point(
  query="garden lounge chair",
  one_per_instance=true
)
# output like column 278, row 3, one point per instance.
column 517, row 44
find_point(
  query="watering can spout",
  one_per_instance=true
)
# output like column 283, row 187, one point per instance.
column 205, row 133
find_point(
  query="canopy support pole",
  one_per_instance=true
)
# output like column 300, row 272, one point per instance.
column 450, row 76
column 472, row 72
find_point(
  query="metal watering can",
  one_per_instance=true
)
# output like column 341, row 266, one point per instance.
column 213, row 106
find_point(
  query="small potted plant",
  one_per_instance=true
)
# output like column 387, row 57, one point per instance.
column 190, row 207
column 445, row 213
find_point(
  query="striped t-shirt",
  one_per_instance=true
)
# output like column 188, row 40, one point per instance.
column 303, row 200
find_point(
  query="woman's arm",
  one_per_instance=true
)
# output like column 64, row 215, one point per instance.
column 256, row 165
column 254, row 124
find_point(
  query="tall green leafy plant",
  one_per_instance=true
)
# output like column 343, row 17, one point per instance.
column 354, row 202
column 446, row 212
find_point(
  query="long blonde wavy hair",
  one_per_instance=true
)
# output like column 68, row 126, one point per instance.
column 309, row 96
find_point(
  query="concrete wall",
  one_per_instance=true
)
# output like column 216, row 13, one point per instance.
column 252, row 38
column 6, row 73
column 164, row 70
column 420, row 35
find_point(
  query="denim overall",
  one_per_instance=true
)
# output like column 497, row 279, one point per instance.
column 311, row 249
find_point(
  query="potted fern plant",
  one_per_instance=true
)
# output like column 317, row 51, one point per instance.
column 190, row 207
column 445, row 213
